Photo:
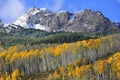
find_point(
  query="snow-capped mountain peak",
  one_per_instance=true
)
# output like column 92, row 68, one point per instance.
column 32, row 18
column 34, row 10
column 22, row 21
column 83, row 21
column 44, row 9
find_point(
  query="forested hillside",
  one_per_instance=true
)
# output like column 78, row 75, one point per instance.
column 33, row 37
column 90, row 59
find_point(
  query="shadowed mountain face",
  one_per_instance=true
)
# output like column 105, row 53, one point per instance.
column 43, row 19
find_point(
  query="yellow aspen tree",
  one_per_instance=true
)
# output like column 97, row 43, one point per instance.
column 15, row 74
column 62, row 72
column 56, row 75
column 7, row 76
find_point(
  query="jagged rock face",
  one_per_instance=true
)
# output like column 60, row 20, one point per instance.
column 89, row 21
column 56, row 21
column 84, row 21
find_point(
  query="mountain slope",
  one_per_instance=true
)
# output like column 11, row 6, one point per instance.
column 51, row 59
column 84, row 21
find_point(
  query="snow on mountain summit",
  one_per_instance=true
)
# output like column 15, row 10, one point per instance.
column 34, row 10
column 32, row 18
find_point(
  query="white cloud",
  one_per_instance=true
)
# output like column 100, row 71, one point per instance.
column 11, row 9
column 72, row 7
column 57, row 5
column 118, row 1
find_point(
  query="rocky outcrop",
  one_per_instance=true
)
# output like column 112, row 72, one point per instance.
column 89, row 21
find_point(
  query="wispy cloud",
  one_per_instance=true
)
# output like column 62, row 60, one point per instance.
column 118, row 0
column 54, row 5
column 72, row 7
column 57, row 5
column 11, row 9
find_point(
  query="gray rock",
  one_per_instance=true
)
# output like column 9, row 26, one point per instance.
column 89, row 21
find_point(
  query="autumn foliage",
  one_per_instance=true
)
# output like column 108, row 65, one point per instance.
column 78, row 60
column 109, row 67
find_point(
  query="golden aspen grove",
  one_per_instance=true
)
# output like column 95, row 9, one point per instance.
column 92, row 59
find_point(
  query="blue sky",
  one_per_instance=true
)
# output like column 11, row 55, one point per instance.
column 11, row 9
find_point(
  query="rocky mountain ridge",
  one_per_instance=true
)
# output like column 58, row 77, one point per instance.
column 83, row 21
